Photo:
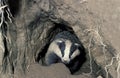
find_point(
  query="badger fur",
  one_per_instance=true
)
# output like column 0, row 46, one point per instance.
column 65, row 48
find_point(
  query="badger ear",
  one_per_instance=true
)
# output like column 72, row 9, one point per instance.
column 77, row 44
column 59, row 41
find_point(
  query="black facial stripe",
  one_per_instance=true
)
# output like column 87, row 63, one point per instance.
column 72, row 49
column 62, row 47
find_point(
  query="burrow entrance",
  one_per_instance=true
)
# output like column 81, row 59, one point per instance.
column 57, row 28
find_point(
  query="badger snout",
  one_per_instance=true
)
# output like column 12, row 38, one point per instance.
column 66, row 61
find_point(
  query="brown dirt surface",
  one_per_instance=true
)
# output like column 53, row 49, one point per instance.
column 53, row 71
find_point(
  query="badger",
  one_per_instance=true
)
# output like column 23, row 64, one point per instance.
column 65, row 48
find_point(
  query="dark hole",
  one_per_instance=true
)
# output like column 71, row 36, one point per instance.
column 14, row 6
column 59, row 27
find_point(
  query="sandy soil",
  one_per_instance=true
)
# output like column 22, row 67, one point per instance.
column 53, row 71
column 109, row 11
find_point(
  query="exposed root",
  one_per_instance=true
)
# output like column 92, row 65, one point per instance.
column 90, row 55
column 94, row 35
column 3, row 9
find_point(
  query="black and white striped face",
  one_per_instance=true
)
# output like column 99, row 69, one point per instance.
column 68, row 50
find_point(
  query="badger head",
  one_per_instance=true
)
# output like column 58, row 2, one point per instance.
column 68, row 50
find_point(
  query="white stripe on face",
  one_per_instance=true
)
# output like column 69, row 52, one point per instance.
column 55, row 48
column 67, row 52
column 76, row 52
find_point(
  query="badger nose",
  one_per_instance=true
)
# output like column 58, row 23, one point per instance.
column 65, row 61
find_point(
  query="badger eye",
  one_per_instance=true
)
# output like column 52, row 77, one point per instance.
column 74, row 48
